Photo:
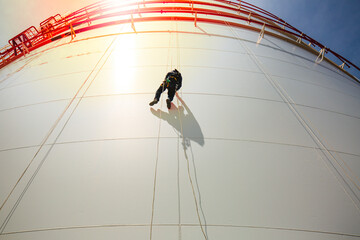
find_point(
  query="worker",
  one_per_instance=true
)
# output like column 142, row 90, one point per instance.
column 172, row 83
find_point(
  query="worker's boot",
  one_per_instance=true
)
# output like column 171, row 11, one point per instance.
column 168, row 103
column 155, row 101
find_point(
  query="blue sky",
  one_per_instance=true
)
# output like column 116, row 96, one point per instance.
column 334, row 23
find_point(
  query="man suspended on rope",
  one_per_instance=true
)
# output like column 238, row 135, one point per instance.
column 172, row 83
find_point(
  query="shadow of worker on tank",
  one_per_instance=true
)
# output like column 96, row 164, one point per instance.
column 184, row 123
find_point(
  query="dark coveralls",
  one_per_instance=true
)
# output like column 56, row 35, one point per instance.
column 172, row 83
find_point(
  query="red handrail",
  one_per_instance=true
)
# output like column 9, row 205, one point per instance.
column 101, row 11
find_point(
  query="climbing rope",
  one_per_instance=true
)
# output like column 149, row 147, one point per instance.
column 184, row 146
column 157, row 148
column 189, row 175
column 321, row 56
column 262, row 33
column 178, row 142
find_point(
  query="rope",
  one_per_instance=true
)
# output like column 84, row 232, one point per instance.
column 178, row 186
column 154, row 138
column 184, row 147
column 178, row 145
column 321, row 56
column 155, row 174
column 189, row 174
column 262, row 33
column 157, row 148
column 178, row 66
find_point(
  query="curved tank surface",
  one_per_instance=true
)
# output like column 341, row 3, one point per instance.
column 261, row 141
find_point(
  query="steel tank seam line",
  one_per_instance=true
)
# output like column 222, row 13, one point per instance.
column 174, row 225
column 146, row 138
column 188, row 93
column 316, row 84
column 208, row 138
column 319, row 85
column 220, row 95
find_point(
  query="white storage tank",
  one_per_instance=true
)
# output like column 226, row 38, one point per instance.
column 262, row 141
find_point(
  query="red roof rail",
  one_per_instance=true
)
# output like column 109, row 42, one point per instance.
column 102, row 12
column 24, row 40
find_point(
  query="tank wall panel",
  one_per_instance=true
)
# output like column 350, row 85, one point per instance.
column 250, row 137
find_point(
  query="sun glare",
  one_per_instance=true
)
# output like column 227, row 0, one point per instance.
column 123, row 69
